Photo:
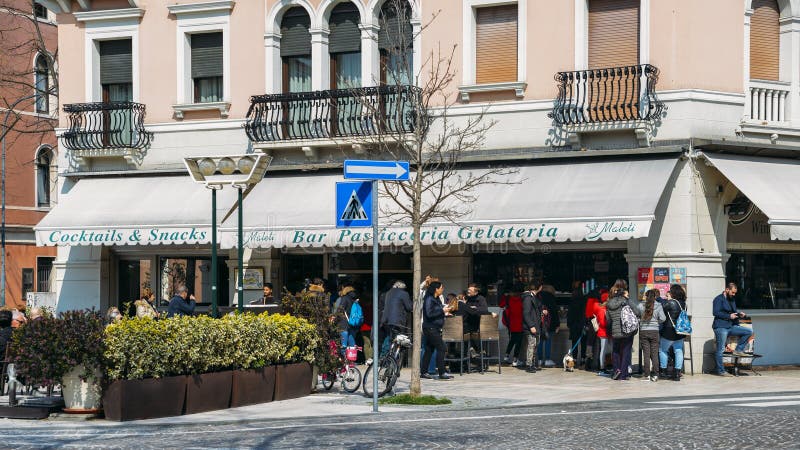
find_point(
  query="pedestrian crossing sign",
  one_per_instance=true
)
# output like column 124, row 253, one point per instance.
column 354, row 204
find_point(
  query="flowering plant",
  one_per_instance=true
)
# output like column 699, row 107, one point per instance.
column 44, row 350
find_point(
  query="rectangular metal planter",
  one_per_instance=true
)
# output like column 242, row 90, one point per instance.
column 253, row 386
column 208, row 391
column 292, row 380
column 145, row 399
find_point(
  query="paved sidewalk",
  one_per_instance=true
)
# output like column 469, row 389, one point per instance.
column 511, row 388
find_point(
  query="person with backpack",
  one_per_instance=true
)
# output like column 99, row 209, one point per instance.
column 623, row 323
column 512, row 319
column 673, row 305
column 532, row 321
column 652, row 318
column 350, row 314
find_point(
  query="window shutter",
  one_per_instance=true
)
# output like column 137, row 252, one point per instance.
column 390, row 22
column 116, row 63
column 295, row 37
column 345, row 35
column 206, row 55
column 496, row 44
column 613, row 33
column 764, row 40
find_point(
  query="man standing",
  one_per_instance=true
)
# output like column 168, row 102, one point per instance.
column 532, row 320
column 726, row 323
column 395, row 309
column 179, row 305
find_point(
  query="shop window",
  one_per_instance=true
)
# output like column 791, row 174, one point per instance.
column 193, row 273
column 44, row 268
column 207, row 67
column 134, row 277
column 27, row 282
column 765, row 280
column 299, row 268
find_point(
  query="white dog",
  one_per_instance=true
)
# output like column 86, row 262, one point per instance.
column 569, row 363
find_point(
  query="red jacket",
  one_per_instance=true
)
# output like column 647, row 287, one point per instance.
column 513, row 306
column 600, row 312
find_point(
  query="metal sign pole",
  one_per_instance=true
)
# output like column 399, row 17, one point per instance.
column 375, row 343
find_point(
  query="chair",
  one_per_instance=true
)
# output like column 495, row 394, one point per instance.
column 453, row 333
column 490, row 332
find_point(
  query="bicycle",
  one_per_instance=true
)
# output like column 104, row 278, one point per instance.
column 389, row 367
column 348, row 374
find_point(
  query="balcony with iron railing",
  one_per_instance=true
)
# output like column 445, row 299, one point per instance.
column 609, row 98
column 325, row 116
column 105, row 130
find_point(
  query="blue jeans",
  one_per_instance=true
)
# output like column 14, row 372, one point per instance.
column 432, row 364
column 348, row 340
column 663, row 353
column 545, row 348
column 722, row 338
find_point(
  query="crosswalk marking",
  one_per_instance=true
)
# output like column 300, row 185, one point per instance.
column 694, row 401
column 768, row 404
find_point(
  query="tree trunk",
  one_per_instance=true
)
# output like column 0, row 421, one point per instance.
column 416, row 388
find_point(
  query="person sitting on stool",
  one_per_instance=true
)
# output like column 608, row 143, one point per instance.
column 726, row 323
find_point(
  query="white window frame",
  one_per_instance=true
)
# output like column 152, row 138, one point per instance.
column 469, row 69
column 208, row 17
column 582, row 33
column 108, row 25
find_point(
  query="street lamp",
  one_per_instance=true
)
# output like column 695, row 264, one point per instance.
column 4, row 131
column 239, row 171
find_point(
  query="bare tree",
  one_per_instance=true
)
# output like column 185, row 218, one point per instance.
column 411, row 120
column 28, row 77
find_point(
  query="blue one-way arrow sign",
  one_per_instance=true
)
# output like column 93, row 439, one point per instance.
column 376, row 170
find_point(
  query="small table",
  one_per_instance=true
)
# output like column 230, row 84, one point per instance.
column 738, row 364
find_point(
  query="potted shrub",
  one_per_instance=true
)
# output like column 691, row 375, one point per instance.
column 67, row 350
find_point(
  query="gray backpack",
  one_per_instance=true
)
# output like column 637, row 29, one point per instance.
column 630, row 323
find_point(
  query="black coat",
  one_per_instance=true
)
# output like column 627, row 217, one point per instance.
column 672, row 309
column 576, row 315
column 531, row 312
column 345, row 304
column 180, row 307
column 432, row 313
column 397, row 305
column 472, row 310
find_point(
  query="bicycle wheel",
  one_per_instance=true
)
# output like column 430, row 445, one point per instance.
column 351, row 380
column 327, row 380
column 387, row 368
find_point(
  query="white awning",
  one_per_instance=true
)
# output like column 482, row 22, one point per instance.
column 772, row 184
column 579, row 200
column 129, row 211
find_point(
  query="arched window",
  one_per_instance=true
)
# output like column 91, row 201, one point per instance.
column 396, row 42
column 42, row 84
column 344, row 45
column 765, row 41
column 296, row 50
column 44, row 161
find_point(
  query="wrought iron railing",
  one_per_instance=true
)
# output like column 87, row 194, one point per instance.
column 114, row 125
column 614, row 94
column 364, row 111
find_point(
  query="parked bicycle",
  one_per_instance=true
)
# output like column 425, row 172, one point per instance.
column 389, row 367
column 348, row 374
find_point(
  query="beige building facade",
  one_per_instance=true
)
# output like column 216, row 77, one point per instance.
column 645, row 135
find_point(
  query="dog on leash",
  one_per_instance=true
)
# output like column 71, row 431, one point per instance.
column 569, row 363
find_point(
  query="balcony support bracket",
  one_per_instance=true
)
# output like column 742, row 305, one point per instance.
column 310, row 152
column 643, row 131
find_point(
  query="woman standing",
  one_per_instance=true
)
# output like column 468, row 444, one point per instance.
column 601, row 347
column 433, row 314
column 512, row 319
column 145, row 306
column 669, row 338
column 652, row 317
column 621, row 346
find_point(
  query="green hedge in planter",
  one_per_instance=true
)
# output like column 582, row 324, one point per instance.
column 145, row 348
